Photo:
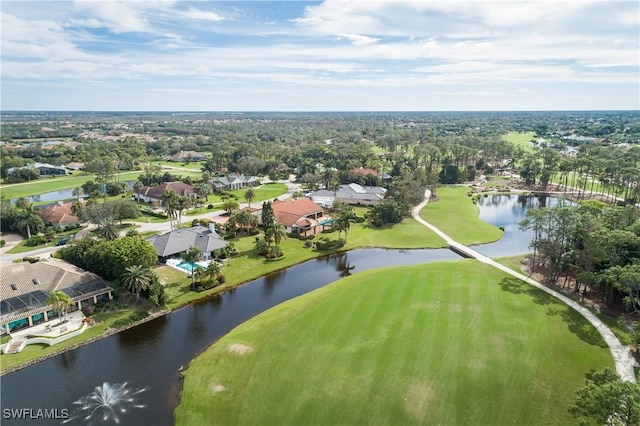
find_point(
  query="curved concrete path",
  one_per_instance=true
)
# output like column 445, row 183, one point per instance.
column 621, row 357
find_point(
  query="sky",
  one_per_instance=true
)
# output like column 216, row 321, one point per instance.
column 332, row 55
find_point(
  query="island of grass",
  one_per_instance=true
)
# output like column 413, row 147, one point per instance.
column 457, row 216
column 443, row 343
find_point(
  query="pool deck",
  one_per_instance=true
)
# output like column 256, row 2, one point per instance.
column 52, row 328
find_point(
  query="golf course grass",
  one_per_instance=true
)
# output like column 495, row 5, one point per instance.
column 457, row 216
column 447, row 343
column 522, row 140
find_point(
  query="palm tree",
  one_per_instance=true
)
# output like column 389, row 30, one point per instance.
column 249, row 195
column 192, row 255
column 137, row 186
column 203, row 191
column 136, row 278
column 108, row 230
column 169, row 201
column 60, row 302
column 182, row 203
column 77, row 192
column 212, row 271
column 76, row 208
column 29, row 220
column 275, row 232
column 346, row 216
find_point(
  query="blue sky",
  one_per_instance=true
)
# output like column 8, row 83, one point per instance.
column 334, row 55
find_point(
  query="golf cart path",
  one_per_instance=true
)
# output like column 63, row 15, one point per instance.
column 621, row 356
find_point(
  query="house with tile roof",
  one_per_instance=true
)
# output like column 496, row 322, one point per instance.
column 24, row 288
column 371, row 172
column 171, row 244
column 301, row 216
column 155, row 193
column 353, row 194
column 60, row 215
column 233, row 182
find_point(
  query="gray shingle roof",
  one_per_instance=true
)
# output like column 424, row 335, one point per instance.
column 179, row 240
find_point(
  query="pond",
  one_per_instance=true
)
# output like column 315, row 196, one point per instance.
column 61, row 195
column 508, row 211
column 140, row 366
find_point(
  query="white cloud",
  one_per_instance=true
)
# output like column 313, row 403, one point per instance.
column 197, row 14
column 359, row 40
column 464, row 48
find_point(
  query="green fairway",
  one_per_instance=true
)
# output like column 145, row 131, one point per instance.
column 455, row 215
column 58, row 183
column 447, row 343
column 523, row 140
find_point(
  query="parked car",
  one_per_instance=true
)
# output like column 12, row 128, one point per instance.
column 63, row 241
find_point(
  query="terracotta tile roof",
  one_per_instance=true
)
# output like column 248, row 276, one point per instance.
column 289, row 212
column 363, row 171
column 59, row 214
column 157, row 192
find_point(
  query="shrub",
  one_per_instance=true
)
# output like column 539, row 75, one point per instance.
column 327, row 244
column 154, row 214
column 30, row 259
column 210, row 206
column 132, row 318
column 2, row 243
column 36, row 240
column 308, row 244
column 274, row 252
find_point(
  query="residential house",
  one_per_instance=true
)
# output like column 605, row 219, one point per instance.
column 188, row 156
column 171, row 244
column 60, row 215
column 353, row 194
column 44, row 169
column 233, row 182
column 301, row 216
column 371, row 172
column 155, row 193
column 25, row 287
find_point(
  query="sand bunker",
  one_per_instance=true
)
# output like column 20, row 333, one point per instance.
column 217, row 388
column 239, row 349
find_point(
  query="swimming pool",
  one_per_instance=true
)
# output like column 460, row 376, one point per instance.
column 188, row 266
column 325, row 222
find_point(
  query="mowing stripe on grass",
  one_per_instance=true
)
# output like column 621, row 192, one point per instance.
column 443, row 343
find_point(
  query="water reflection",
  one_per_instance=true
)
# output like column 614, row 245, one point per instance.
column 150, row 355
column 508, row 211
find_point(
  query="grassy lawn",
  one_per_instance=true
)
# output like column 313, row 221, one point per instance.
column 262, row 193
column 455, row 215
column 22, row 248
column 57, row 183
column 36, row 351
column 444, row 343
column 523, row 140
column 194, row 165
